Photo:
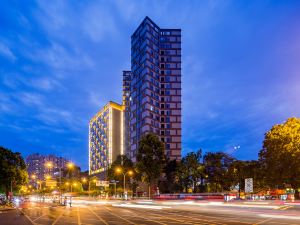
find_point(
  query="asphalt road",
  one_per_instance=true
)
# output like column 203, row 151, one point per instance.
column 149, row 213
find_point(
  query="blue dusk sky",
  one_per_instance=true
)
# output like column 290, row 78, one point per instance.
column 61, row 61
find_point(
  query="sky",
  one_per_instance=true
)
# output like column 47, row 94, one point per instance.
column 61, row 61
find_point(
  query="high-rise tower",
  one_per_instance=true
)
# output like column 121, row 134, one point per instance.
column 155, row 87
column 126, row 105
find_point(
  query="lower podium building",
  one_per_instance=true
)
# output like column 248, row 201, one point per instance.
column 106, row 138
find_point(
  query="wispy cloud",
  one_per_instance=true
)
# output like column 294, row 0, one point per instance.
column 6, row 52
column 101, row 23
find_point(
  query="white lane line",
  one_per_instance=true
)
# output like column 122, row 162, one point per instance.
column 145, row 218
column 57, row 218
column 102, row 220
column 23, row 213
column 109, row 210
column 78, row 217
column 263, row 221
column 280, row 216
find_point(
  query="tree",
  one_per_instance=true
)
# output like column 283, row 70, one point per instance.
column 217, row 167
column 170, row 183
column 240, row 170
column 150, row 159
column 191, row 170
column 125, row 164
column 13, row 172
column 280, row 156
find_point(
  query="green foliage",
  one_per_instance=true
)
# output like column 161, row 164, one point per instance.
column 217, row 167
column 170, row 184
column 12, row 169
column 191, row 170
column 150, row 158
column 122, row 162
column 280, row 156
column 240, row 170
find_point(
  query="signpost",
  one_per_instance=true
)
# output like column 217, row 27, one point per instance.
column 248, row 185
column 102, row 183
column 51, row 183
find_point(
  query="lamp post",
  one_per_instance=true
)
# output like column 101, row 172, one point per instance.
column 94, row 180
column 74, row 184
column 130, row 173
column 33, row 177
column 70, row 165
column 49, row 166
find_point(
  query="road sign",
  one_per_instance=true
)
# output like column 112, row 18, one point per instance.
column 102, row 183
column 51, row 183
column 248, row 185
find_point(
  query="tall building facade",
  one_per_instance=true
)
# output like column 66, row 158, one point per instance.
column 106, row 138
column 126, row 99
column 155, row 87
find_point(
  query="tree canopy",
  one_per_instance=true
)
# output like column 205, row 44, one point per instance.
column 12, row 169
column 150, row 158
column 280, row 156
column 123, row 162
column 217, row 166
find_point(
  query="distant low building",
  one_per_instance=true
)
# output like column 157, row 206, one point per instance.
column 106, row 138
column 39, row 166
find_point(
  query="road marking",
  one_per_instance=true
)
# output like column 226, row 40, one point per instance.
column 168, row 218
column 263, row 221
column 285, row 207
column 78, row 217
column 57, row 218
column 23, row 213
column 39, row 217
column 280, row 216
column 109, row 210
column 214, row 220
column 102, row 220
column 146, row 218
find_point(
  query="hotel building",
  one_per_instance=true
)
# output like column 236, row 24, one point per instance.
column 155, row 88
column 106, row 139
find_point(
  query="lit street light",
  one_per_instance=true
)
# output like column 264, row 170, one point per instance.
column 130, row 173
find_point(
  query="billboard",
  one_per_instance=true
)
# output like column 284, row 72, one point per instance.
column 248, row 185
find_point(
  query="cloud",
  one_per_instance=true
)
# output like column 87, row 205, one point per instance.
column 45, row 83
column 30, row 99
column 100, row 23
column 16, row 80
column 97, row 100
column 6, row 52
column 64, row 19
column 58, row 58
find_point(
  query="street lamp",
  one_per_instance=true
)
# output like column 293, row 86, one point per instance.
column 70, row 165
column 67, row 184
column 94, row 180
column 39, row 184
column 130, row 173
column 74, row 184
column 49, row 166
